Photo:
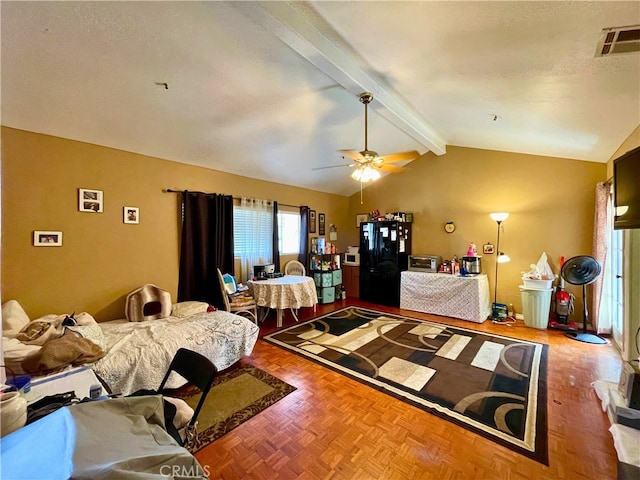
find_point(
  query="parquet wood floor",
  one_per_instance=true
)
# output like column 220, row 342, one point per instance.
column 333, row 427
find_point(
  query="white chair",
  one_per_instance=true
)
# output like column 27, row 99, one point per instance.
column 238, row 303
column 294, row 267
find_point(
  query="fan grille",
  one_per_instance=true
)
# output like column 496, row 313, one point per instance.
column 581, row 270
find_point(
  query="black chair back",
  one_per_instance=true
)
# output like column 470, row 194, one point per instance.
column 197, row 370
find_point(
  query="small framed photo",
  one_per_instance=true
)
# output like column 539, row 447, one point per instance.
column 42, row 238
column 90, row 200
column 361, row 218
column 131, row 214
column 312, row 221
column 487, row 248
column 321, row 224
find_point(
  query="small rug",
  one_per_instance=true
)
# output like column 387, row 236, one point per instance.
column 489, row 384
column 235, row 397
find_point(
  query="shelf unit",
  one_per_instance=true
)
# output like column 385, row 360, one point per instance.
column 327, row 278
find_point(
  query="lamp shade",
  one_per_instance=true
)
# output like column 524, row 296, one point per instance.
column 499, row 217
column 365, row 174
column 503, row 257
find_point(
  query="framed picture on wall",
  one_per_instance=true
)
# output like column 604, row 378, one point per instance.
column 312, row 221
column 43, row 238
column 487, row 248
column 90, row 200
column 360, row 218
column 131, row 214
column 321, row 224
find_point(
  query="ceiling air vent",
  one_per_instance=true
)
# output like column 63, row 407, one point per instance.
column 618, row 40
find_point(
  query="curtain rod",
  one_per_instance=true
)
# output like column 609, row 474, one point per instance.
column 169, row 190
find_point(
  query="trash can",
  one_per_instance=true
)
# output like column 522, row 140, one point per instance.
column 535, row 305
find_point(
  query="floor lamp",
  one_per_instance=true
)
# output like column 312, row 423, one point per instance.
column 499, row 310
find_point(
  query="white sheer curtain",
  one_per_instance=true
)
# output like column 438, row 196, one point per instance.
column 253, row 232
column 602, row 301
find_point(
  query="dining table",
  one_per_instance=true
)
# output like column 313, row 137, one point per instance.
column 286, row 292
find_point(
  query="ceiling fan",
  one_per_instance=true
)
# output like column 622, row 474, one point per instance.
column 367, row 162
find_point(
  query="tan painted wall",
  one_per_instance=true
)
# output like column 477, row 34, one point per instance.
column 550, row 202
column 102, row 259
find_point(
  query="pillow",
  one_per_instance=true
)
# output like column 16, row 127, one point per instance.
column 84, row 318
column 186, row 309
column 14, row 318
column 91, row 332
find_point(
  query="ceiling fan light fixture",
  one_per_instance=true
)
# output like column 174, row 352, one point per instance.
column 365, row 174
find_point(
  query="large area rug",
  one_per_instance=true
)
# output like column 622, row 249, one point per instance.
column 492, row 385
column 235, row 397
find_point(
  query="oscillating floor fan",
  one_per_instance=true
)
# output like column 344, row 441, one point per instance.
column 582, row 270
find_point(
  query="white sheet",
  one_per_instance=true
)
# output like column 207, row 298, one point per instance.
column 139, row 353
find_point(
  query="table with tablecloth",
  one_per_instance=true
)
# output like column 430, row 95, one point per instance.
column 289, row 291
column 445, row 294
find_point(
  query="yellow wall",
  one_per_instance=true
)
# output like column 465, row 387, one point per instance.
column 102, row 259
column 550, row 201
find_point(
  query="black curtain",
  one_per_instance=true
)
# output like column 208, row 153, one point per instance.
column 207, row 244
column 304, row 235
column 274, row 239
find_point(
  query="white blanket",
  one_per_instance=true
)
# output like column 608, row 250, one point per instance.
column 139, row 353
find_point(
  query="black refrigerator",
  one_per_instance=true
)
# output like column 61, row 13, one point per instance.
column 384, row 253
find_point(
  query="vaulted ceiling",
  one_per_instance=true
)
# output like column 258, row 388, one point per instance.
column 270, row 90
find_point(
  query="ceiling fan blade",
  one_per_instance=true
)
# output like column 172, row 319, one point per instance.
column 334, row 166
column 400, row 156
column 391, row 168
column 353, row 154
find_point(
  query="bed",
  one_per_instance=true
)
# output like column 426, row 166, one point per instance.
column 135, row 355
column 139, row 353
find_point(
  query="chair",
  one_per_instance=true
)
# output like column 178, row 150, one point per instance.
column 294, row 267
column 197, row 370
column 238, row 303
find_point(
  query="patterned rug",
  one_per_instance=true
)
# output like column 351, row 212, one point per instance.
column 235, row 397
column 492, row 385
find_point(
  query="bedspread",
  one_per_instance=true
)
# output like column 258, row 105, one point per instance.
column 139, row 353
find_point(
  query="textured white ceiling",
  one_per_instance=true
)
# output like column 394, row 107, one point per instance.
column 270, row 89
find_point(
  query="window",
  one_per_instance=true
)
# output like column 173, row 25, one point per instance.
column 252, row 233
column 252, row 229
column 289, row 233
